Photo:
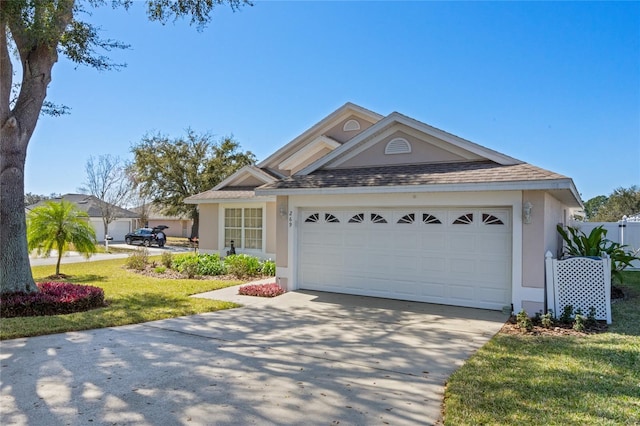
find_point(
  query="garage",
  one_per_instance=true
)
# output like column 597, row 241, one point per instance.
column 455, row 256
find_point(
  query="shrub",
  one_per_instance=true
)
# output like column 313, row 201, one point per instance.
column 211, row 264
column 269, row 268
column 160, row 269
column 591, row 317
column 187, row 265
column 54, row 298
column 167, row 259
column 261, row 290
column 579, row 321
column 242, row 265
column 523, row 321
column 138, row 260
column 567, row 315
column 546, row 320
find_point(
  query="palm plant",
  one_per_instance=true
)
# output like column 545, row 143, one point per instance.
column 577, row 243
column 57, row 225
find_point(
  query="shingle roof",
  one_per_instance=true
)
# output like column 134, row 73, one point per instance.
column 237, row 192
column 90, row 205
column 418, row 174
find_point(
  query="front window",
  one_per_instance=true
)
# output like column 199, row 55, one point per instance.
column 243, row 226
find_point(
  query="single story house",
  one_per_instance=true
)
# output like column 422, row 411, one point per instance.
column 122, row 225
column 151, row 215
column 388, row 206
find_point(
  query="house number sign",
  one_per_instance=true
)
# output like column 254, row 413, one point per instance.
column 290, row 218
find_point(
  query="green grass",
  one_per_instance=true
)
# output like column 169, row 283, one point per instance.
column 563, row 380
column 132, row 298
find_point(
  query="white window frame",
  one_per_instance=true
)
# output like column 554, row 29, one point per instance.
column 239, row 245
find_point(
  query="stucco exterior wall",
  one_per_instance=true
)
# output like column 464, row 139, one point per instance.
column 538, row 237
column 421, row 151
column 269, row 228
column 533, row 241
column 282, row 225
column 208, row 227
column 341, row 136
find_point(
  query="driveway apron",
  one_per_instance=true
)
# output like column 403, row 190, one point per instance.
column 303, row 358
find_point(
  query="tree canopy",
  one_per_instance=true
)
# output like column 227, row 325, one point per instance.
column 169, row 170
column 34, row 33
column 621, row 202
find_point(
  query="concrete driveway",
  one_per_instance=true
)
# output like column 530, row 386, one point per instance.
column 303, row 358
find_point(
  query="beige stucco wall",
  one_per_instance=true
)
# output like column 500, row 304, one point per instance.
column 270, row 227
column 282, row 233
column 208, row 226
column 538, row 237
column 340, row 135
column 533, row 241
column 421, row 151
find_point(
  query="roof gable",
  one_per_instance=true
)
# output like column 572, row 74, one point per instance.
column 340, row 126
column 248, row 176
column 426, row 144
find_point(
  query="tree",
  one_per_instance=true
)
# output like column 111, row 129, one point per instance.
column 167, row 171
column 108, row 181
column 31, row 199
column 622, row 202
column 55, row 225
column 37, row 31
column 593, row 205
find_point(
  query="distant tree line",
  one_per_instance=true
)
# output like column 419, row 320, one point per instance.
column 621, row 202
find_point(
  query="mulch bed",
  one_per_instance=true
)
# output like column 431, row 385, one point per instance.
column 511, row 327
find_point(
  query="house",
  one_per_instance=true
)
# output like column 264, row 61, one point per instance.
column 391, row 207
column 151, row 215
column 123, row 224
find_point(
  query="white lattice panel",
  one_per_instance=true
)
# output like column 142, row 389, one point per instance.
column 582, row 283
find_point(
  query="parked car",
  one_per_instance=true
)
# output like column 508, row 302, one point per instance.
column 146, row 236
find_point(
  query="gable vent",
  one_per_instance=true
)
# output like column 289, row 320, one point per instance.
column 398, row 146
column 351, row 126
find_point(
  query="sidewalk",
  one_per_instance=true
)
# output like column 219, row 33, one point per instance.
column 75, row 257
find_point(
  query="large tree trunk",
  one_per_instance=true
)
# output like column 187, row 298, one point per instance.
column 15, row 269
column 16, row 127
column 195, row 215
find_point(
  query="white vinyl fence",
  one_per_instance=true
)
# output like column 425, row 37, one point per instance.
column 625, row 231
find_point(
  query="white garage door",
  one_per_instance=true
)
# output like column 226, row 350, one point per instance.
column 458, row 256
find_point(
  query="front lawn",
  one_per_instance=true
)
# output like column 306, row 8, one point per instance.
column 132, row 298
column 562, row 380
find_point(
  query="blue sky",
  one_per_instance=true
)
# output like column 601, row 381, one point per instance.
column 554, row 84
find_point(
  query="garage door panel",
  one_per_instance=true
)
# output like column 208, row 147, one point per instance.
column 458, row 256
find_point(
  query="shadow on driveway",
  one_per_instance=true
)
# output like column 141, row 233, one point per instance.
column 304, row 358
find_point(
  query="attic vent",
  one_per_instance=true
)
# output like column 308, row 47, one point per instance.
column 351, row 125
column 398, row 146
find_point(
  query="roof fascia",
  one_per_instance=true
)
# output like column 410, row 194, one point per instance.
column 335, row 157
column 324, row 124
column 550, row 185
column 257, row 199
column 251, row 170
column 309, row 150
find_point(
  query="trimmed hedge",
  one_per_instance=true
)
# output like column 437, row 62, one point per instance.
column 54, row 298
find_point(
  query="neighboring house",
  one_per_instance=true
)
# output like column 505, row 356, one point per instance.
column 124, row 223
column 391, row 207
column 179, row 226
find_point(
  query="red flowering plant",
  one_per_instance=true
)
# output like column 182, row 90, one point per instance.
column 261, row 290
column 54, row 298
